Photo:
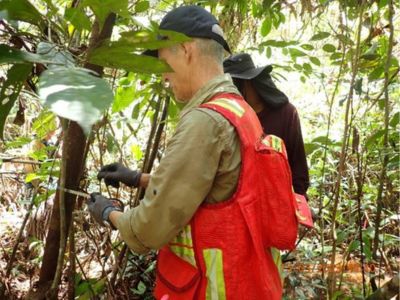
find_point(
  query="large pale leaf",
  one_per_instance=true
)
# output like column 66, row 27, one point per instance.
column 10, row 55
column 51, row 52
column 75, row 94
column 21, row 10
column 10, row 90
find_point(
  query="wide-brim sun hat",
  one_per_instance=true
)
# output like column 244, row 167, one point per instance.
column 241, row 66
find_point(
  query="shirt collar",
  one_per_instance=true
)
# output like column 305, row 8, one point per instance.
column 219, row 84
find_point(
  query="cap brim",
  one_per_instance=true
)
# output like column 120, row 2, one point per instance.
column 252, row 73
column 153, row 53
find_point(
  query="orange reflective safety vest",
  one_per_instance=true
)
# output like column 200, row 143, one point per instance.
column 224, row 252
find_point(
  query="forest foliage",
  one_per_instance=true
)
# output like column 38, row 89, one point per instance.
column 76, row 93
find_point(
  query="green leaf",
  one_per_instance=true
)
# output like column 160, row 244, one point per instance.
column 336, row 56
column 150, row 39
column 315, row 60
column 10, row 55
column 374, row 137
column 278, row 44
column 10, row 90
column 307, row 67
column 33, row 176
column 320, row 36
column 44, row 124
column 21, row 10
column 75, row 94
column 18, row 142
column 269, row 52
column 124, row 97
column 116, row 56
column 307, row 47
column 51, row 52
column 102, row 8
column 355, row 244
column 395, row 120
column 78, row 18
column 137, row 152
column 142, row 6
column 266, row 26
column 329, row 48
column 141, row 288
column 376, row 74
column 296, row 52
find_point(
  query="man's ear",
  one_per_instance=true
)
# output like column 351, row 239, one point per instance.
column 188, row 50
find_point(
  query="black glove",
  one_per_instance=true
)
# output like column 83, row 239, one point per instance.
column 100, row 208
column 115, row 173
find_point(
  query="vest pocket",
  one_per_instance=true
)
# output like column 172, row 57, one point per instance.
column 175, row 277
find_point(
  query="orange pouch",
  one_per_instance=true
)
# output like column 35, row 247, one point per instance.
column 175, row 277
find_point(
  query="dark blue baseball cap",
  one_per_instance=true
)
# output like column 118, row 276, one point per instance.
column 193, row 21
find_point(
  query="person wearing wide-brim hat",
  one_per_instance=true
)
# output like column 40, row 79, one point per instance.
column 276, row 114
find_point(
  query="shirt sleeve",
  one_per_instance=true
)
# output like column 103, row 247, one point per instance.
column 179, row 184
column 297, row 156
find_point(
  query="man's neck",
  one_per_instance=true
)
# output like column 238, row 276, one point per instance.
column 203, row 75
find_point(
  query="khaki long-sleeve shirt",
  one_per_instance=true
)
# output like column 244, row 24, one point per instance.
column 201, row 163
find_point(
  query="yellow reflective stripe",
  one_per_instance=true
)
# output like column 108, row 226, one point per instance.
column 276, row 143
column 277, row 258
column 184, row 237
column 215, row 274
column 182, row 245
column 230, row 105
column 187, row 254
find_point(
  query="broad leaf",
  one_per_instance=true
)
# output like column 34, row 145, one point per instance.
column 9, row 55
column 78, row 18
column 266, row 26
column 395, row 120
column 150, row 40
column 21, row 10
column 51, row 52
column 315, row 60
column 102, row 8
column 279, row 44
column 44, row 124
column 75, row 94
column 320, row 36
column 10, row 90
column 329, row 48
column 142, row 6
column 296, row 52
column 125, row 94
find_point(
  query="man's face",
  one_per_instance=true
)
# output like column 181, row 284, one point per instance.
column 180, row 79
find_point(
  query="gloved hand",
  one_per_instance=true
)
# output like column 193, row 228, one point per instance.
column 115, row 173
column 100, row 208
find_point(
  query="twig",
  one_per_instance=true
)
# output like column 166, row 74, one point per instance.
column 72, row 266
column 385, row 136
column 63, row 226
column 332, row 275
